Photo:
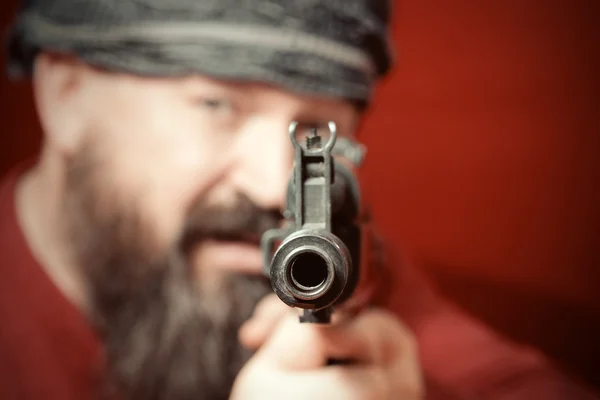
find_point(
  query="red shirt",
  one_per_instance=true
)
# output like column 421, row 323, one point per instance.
column 48, row 351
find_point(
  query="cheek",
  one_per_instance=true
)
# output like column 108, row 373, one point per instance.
column 160, row 163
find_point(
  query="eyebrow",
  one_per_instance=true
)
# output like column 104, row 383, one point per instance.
column 314, row 114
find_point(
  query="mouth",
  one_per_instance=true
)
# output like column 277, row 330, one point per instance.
column 227, row 244
column 213, row 256
column 242, row 238
column 193, row 238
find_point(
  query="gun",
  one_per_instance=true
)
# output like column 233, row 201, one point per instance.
column 313, row 261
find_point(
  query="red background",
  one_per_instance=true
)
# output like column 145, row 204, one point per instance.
column 483, row 161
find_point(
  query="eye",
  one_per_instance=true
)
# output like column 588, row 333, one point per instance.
column 215, row 104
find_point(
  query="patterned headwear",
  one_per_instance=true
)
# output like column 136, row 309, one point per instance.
column 324, row 47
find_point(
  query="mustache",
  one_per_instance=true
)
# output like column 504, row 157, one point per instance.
column 244, row 221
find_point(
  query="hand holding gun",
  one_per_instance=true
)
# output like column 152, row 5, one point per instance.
column 316, row 268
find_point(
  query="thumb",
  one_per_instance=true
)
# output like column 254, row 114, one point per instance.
column 295, row 346
column 266, row 318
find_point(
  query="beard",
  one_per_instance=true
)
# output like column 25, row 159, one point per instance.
column 164, row 337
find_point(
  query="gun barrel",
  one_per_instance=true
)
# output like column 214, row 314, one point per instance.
column 311, row 269
column 316, row 266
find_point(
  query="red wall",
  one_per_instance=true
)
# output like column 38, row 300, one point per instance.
column 483, row 161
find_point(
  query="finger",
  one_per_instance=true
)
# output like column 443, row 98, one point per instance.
column 377, row 339
column 266, row 316
column 395, row 350
column 382, row 335
column 348, row 383
column 342, row 315
column 267, row 305
column 300, row 346
column 374, row 337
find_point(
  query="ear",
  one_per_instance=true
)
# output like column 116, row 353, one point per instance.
column 58, row 91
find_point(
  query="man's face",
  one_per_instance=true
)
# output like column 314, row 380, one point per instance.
column 167, row 193
column 163, row 144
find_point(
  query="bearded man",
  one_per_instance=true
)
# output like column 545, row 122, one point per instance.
column 165, row 122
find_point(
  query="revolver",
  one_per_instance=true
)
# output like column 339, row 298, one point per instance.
column 313, row 261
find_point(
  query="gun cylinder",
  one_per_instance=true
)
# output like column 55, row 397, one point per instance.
column 311, row 269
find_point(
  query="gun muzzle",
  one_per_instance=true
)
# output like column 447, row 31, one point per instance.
column 311, row 269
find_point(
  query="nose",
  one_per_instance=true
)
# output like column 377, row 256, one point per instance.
column 264, row 159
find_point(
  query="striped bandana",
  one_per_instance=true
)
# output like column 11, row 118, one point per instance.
column 324, row 47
